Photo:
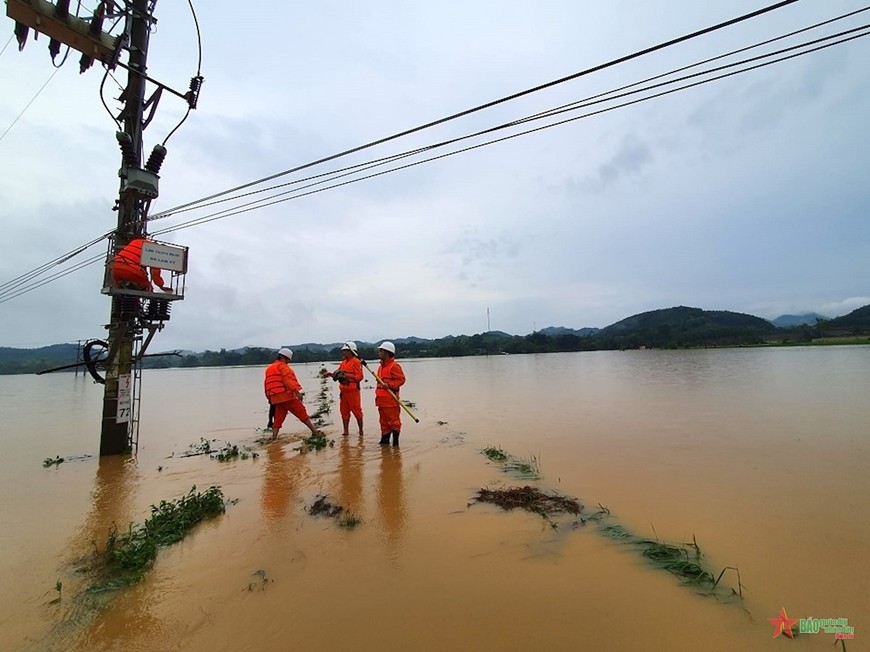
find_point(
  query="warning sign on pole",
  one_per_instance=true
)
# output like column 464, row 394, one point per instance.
column 124, row 395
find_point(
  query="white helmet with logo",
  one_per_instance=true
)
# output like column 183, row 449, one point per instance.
column 349, row 346
column 388, row 346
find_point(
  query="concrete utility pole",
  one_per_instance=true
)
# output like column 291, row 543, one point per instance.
column 115, row 432
column 133, row 310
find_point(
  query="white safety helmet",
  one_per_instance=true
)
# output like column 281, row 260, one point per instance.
column 287, row 353
column 349, row 346
column 388, row 346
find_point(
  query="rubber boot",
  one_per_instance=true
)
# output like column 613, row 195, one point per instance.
column 385, row 440
column 395, row 437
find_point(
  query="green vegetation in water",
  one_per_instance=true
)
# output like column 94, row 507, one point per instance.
column 131, row 554
column 202, row 447
column 681, row 559
column 349, row 521
column 57, row 587
column 325, row 401
column 57, row 461
column 495, row 454
column 232, row 452
column 315, row 442
column 527, row 469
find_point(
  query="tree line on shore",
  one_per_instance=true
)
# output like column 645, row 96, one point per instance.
column 671, row 328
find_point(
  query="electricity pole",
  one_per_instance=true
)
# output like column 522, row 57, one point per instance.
column 133, row 310
column 114, row 433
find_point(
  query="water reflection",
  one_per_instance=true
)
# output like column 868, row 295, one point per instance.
column 391, row 498
column 350, row 476
column 281, row 480
column 116, row 485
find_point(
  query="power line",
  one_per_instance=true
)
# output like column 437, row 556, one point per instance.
column 18, row 117
column 272, row 200
column 588, row 101
column 16, row 287
column 493, row 103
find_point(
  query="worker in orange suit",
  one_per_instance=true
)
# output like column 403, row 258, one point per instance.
column 284, row 392
column 390, row 378
column 128, row 272
column 349, row 375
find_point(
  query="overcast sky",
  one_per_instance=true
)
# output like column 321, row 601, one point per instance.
column 747, row 194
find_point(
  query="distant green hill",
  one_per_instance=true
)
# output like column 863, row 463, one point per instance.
column 856, row 322
column 683, row 327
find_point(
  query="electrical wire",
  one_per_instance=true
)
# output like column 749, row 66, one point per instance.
column 606, row 96
column 265, row 202
column 18, row 117
column 268, row 201
column 16, row 287
column 7, row 44
column 198, row 69
column 502, row 100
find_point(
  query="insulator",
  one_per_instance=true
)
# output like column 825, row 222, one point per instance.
column 156, row 159
column 128, row 152
column 128, row 306
column 193, row 94
column 158, row 309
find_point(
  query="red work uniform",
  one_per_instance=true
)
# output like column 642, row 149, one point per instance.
column 349, row 402
column 282, row 390
column 392, row 375
column 127, row 268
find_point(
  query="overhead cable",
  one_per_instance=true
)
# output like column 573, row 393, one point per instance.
column 280, row 197
column 502, row 100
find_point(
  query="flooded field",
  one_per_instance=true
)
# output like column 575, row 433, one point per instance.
column 759, row 456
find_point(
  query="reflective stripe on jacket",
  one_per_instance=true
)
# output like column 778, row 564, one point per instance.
column 392, row 375
column 280, row 383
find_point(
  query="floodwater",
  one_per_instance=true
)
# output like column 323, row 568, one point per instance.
column 761, row 455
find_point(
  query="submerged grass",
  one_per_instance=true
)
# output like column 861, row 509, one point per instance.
column 129, row 555
column 681, row 559
column 527, row 469
column 315, row 442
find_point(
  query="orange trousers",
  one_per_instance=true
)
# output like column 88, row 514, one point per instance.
column 349, row 403
column 390, row 418
column 294, row 407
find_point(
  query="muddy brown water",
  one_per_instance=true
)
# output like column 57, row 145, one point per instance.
column 763, row 455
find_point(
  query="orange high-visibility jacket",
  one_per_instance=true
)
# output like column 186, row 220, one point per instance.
column 280, row 383
column 392, row 375
column 352, row 369
column 127, row 266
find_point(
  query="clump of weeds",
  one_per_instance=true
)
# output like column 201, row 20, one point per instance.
column 681, row 559
column 315, row 442
column 349, row 521
column 202, row 447
column 530, row 499
column 57, row 461
column 232, row 452
column 131, row 554
column 495, row 454
column 529, row 469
